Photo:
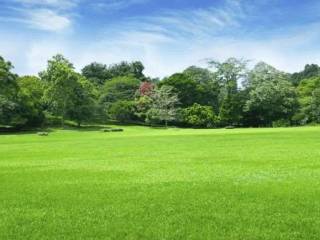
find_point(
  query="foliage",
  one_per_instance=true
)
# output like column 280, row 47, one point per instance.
column 146, row 88
column 229, row 74
column 119, row 88
column 163, row 105
column 271, row 101
column 310, row 70
column 142, row 106
column 60, row 80
column 99, row 73
column 31, row 95
column 308, row 90
column 263, row 96
column 122, row 111
column 83, row 101
column 199, row 116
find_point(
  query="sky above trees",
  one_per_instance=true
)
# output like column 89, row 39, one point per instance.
column 167, row 35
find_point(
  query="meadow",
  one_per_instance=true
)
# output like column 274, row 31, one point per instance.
column 148, row 183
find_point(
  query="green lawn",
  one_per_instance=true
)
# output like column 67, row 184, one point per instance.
column 161, row 184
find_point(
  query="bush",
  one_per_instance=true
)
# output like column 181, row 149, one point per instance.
column 122, row 111
column 199, row 116
column 281, row 123
column 43, row 134
column 112, row 130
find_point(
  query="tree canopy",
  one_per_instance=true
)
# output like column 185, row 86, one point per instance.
column 223, row 94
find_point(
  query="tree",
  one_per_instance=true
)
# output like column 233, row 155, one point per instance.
column 188, row 90
column 142, row 106
column 308, row 95
column 122, row 111
column 315, row 105
column 96, row 73
column 146, row 88
column 60, row 80
column 263, row 72
column 310, row 70
column 208, row 85
column 271, row 101
column 83, row 101
column 10, row 108
column 199, row 116
column 120, row 88
column 163, row 105
column 229, row 74
column 134, row 69
column 30, row 94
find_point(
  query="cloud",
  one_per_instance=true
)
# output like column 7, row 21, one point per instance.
column 170, row 41
column 44, row 15
column 48, row 20
column 61, row 4
column 116, row 4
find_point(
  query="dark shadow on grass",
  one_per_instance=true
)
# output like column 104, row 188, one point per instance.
column 14, row 131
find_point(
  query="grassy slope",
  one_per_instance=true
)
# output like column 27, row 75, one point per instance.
column 161, row 184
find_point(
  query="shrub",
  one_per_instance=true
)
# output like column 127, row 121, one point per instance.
column 281, row 123
column 122, row 111
column 112, row 130
column 199, row 116
column 43, row 134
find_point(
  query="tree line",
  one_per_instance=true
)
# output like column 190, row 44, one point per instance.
column 223, row 94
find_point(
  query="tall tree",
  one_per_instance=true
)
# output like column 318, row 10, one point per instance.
column 83, row 101
column 120, row 88
column 97, row 73
column 229, row 74
column 308, row 98
column 164, row 103
column 30, row 94
column 9, row 106
column 271, row 96
column 309, row 71
column 60, row 80
column 208, row 85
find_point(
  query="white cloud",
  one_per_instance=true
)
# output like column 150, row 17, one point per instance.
column 45, row 19
column 173, row 40
column 62, row 4
column 115, row 4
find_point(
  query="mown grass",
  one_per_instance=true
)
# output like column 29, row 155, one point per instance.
column 161, row 184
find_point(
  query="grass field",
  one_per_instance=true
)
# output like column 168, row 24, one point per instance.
column 161, row 184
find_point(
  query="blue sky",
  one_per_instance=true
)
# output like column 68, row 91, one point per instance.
column 166, row 35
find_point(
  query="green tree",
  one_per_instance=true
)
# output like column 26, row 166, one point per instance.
column 199, row 116
column 308, row 93
column 310, row 70
column 31, row 90
column 83, row 101
column 122, row 111
column 60, row 83
column 120, row 88
column 229, row 74
column 142, row 106
column 187, row 89
column 315, row 105
column 208, row 85
column 10, row 108
column 96, row 73
column 134, row 69
column 164, row 105
column 270, row 101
